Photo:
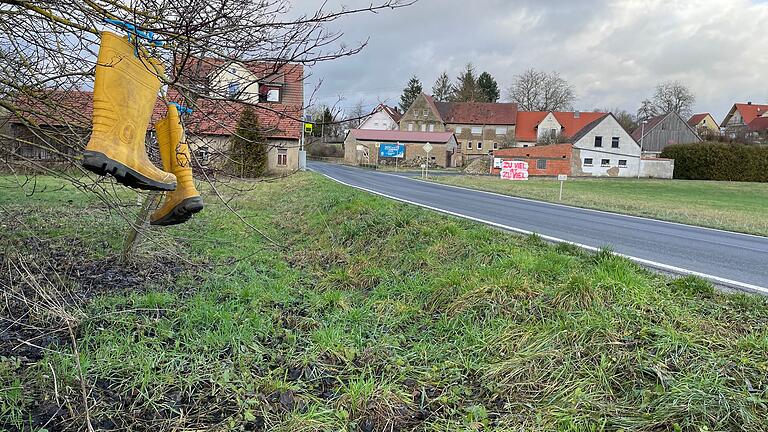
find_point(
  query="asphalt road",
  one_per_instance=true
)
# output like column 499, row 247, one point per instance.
column 731, row 260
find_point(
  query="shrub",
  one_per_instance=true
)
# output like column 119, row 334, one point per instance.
column 248, row 149
column 719, row 161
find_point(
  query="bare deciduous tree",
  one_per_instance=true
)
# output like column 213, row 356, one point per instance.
column 540, row 91
column 670, row 96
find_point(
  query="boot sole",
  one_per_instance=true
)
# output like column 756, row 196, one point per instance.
column 181, row 213
column 100, row 164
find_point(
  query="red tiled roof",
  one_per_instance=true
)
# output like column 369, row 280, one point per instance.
column 476, row 113
column 528, row 121
column 393, row 112
column 403, row 136
column 525, row 130
column 750, row 112
column 55, row 108
column 572, row 125
column 696, row 119
column 759, row 124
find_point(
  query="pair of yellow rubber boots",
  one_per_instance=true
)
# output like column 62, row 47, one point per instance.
column 124, row 95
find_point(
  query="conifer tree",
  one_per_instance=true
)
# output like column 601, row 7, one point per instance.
column 410, row 93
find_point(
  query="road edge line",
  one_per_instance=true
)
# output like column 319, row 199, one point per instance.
column 728, row 283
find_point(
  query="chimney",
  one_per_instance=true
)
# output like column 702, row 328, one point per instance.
column 749, row 103
column 576, row 114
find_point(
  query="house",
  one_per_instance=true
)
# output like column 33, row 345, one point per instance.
column 66, row 115
column 601, row 148
column 480, row 128
column 737, row 122
column 550, row 126
column 704, row 124
column 363, row 146
column 61, row 122
column 664, row 130
column 383, row 117
column 275, row 90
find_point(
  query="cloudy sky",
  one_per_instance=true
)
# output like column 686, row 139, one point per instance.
column 612, row 51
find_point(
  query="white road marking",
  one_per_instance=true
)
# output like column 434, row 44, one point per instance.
column 742, row 286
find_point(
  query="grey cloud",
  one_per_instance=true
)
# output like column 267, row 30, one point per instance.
column 614, row 52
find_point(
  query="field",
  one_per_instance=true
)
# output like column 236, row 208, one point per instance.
column 363, row 315
column 732, row 206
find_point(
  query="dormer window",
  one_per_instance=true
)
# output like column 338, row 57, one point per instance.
column 270, row 93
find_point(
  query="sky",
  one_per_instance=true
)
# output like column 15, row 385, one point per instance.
column 613, row 52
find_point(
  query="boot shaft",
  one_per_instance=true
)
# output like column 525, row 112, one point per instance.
column 125, row 89
column 174, row 148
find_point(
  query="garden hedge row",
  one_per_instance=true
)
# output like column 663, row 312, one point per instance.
column 719, row 161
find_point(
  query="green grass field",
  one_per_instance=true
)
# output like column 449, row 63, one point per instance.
column 732, row 206
column 368, row 315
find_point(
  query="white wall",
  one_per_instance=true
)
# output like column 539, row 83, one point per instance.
column 249, row 88
column 628, row 150
column 546, row 125
column 379, row 120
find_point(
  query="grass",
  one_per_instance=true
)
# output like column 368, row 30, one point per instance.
column 370, row 315
column 733, row 206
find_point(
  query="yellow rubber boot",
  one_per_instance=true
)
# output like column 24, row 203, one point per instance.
column 124, row 95
column 181, row 204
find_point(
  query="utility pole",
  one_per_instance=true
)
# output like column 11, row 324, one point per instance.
column 642, row 136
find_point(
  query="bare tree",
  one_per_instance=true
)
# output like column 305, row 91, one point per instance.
column 626, row 119
column 540, row 91
column 670, row 96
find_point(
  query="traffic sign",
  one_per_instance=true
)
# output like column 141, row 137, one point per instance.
column 428, row 147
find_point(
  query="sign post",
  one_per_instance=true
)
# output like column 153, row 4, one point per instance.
column 427, row 148
column 387, row 150
column 562, row 178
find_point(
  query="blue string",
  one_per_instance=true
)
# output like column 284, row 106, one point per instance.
column 182, row 109
column 134, row 32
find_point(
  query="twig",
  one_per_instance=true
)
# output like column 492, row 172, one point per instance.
column 82, row 380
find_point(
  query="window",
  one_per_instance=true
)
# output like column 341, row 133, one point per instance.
column 477, row 130
column 605, row 162
column 495, row 146
column 410, row 127
column 541, row 164
column 553, row 132
column 622, row 163
column 232, row 70
column 203, row 155
column 525, row 145
column 469, row 145
column 423, row 128
column 431, row 128
column 587, row 161
column 598, row 141
column 282, row 157
column 269, row 93
column 426, row 113
column 501, row 130
column 615, row 142
column 458, row 129
column 233, row 88
column 480, row 145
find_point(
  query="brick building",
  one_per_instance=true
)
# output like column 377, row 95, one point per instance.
column 549, row 160
column 362, row 146
column 480, row 128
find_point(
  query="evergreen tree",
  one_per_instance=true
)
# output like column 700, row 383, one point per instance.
column 410, row 93
column 248, row 147
column 466, row 89
column 442, row 91
column 489, row 89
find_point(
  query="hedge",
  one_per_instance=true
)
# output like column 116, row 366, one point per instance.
column 719, row 161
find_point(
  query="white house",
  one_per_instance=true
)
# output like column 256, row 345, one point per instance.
column 604, row 148
column 383, row 117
